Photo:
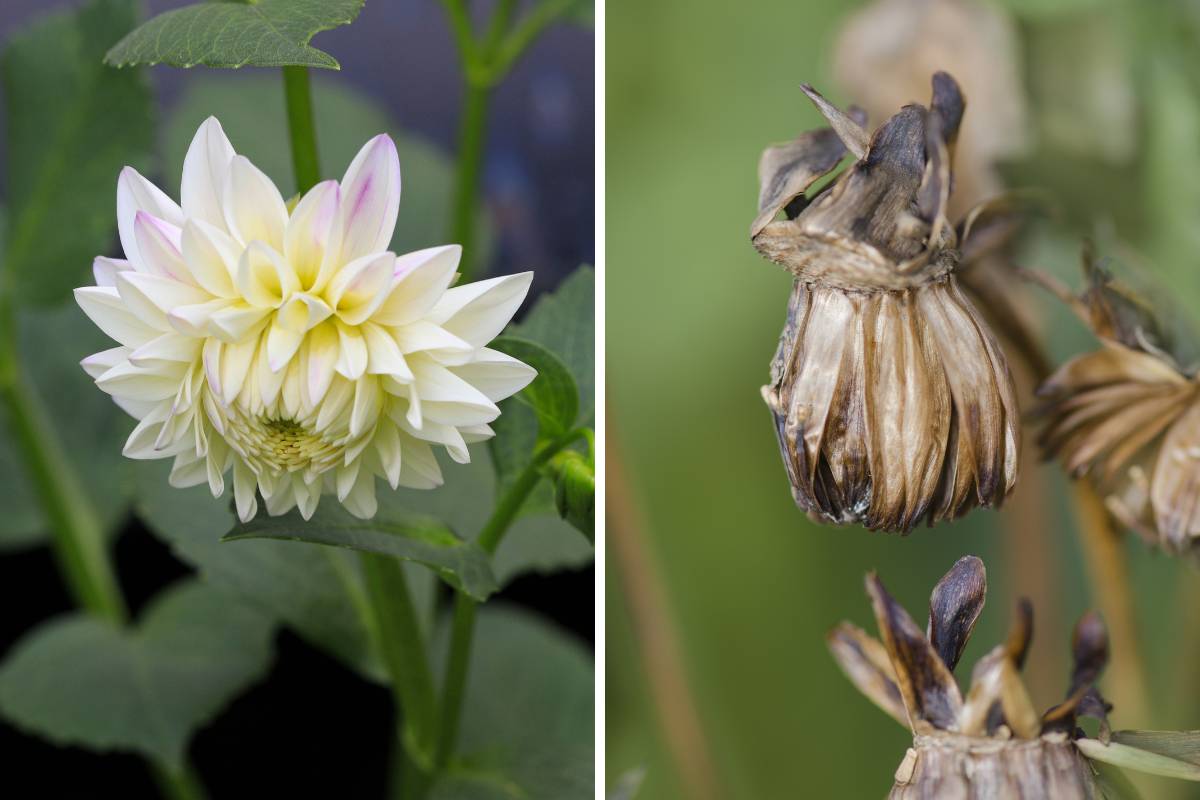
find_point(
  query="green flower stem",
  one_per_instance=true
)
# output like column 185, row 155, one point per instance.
column 298, row 93
column 486, row 62
column 463, row 627
column 76, row 534
column 183, row 785
column 397, row 632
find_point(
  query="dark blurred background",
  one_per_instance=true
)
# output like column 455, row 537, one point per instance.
column 312, row 728
column 719, row 591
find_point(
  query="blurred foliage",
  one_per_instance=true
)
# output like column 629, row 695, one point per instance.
column 693, row 318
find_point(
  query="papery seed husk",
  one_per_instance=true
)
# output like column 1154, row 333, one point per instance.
column 951, row 767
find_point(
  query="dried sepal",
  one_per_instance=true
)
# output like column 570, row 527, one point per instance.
column 785, row 171
column 865, row 661
column 998, row 695
column 930, row 693
column 954, row 608
column 1089, row 656
column 1127, row 415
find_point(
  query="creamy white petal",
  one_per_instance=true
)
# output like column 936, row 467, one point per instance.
column 425, row 335
column 420, row 279
column 205, row 171
column 126, row 380
column 360, row 287
column 194, row 320
column 235, row 321
column 254, row 209
column 134, row 194
column 152, row 297
column 158, row 244
column 352, row 361
column 495, row 374
column 167, row 347
column 477, row 312
column 244, row 484
column 383, row 354
column 321, row 356
column 97, row 364
column 103, row 306
column 211, row 256
column 105, row 269
column 306, row 237
column 264, row 278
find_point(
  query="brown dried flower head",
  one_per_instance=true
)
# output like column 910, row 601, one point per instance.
column 991, row 743
column 892, row 401
column 1128, row 415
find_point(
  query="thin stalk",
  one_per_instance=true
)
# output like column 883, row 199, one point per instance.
column 472, row 131
column 302, row 128
column 1109, row 578
column 463, row 628
column 77, row 537
column 402, row 647
column 76, row 534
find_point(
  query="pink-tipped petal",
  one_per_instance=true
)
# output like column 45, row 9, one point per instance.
column 134, row 194
column 307, row 235
column 421, row 278
column 105, row 270
column 158, row 244
column 370, row 199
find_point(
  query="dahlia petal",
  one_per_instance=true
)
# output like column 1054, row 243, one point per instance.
column 421, row 278
column 497, row 375
column 140, row 444
column 188, row 470
column 103, row 306
column 424, row 335
column 137, row 409
column 244, row 485
column 105, row 269
column 211, row 256
column 285, row 335
column 387, row 447
column 352, row 359
column 383, row 354
column 370, row 199
column 361, row 500
column 345, row 477
column 214, row 462
column 254, row 209
column 232, row 322
column 264, row 278
column 446, row 435
column 158, row 243
column 307, row 498
column 477, row 312
column 307, row 234
column 337, row 401
column 97, row 364
column 291, row 393
column 322, row 355
column 368, row 402
column 211, row 356
column 421, row 469
column 205, row 171
column 134, row 194
column 360, row 287
column 235, row 366
column 436, row 383
column 282, row 500
column 270, row 382
column 168, row 347
column 194, row 320
column 152, row 297
column 476, row 433
column 126, row 380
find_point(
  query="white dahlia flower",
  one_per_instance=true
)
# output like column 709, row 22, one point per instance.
column 285, row 343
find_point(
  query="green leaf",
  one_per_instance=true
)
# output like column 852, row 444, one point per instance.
column 423, row 540
column 1179, row 745
column 575, row 491
column 540, row 543
column 528, row 719
column 1163, row 762
column 316, row 591
column 268, row 33
column 552, row 395
column 92, row 428
column 251, row 110
column 564, row 322
column 79, row 681
column 72, row 124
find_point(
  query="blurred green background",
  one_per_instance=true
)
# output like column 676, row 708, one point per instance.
column 695, row 91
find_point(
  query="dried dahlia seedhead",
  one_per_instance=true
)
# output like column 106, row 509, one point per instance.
column 991, row 743
column 892, row 401
column 1128, row 415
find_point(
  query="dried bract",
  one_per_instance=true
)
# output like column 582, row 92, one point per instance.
column 992, row 744
column 892, row 401
column 1128, row 416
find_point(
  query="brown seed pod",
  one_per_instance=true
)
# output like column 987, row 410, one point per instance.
column 1127, row 415
column 892, row 401
column 991, row 743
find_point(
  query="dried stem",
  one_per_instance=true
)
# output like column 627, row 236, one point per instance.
column 658, row 640
column 1108, row 575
